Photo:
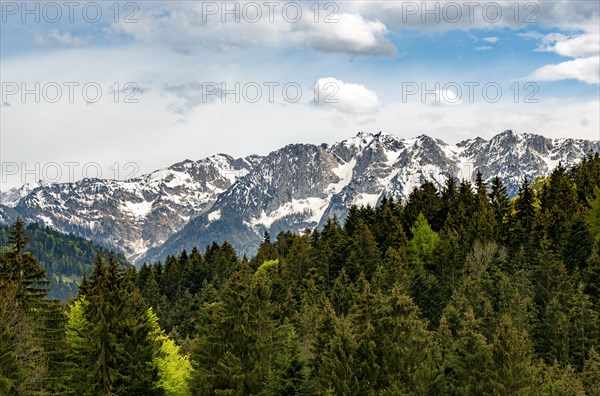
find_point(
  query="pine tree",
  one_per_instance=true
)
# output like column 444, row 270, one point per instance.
column 524, row 214
column 235, row 345
column 460, row 217
column 472, row 358
column 342, row 293
column 558, row 204
column 590, row 376
column 560, row 380
column 407, row 353
column 576, row 244
column 112, row 343
column 28, row 322
column 425, row 200
column 298, row 260
column 174, row 369
column 266, row 251
column 501, row 207
column 22, row 268
column 21, row 362
column 337, row 366
column 364, row 254
column 449, row 197
column 591, row 274
column 593, row 213
column 289, row 378
column 333, row 250
column 388, row 230
column 421, row 247
column 513, row 371
column 584, row 331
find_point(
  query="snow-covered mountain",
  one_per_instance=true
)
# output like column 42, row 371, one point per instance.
column 301, row 186
column 135, row 214
column 12, row 197
column 298, row 186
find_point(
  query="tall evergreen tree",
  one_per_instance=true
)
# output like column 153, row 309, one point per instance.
column 501, row 207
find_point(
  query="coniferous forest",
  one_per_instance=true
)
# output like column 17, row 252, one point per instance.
column 455, row 291
column 65, row 257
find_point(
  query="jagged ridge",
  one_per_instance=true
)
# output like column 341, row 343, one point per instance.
column 221, row 198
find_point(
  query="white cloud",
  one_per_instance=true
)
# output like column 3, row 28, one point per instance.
column 442, row 15
column 491, row 40
column 190, row 95
column 484, row 48
column 187, row 27
column 583, row 45
column 351, row 34
column 346, row 97
column 66, row 38
column 54, row 36
column 582, row 69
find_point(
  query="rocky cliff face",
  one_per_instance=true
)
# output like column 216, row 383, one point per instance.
column 221, row 198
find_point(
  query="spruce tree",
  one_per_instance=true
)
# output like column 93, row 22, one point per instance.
column 472, row 359
column 590, row 376
column 364, row 254
column 423, row 243
column 501, row 207
column 513, row 370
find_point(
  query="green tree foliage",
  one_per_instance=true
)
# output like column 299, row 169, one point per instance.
column 174, row 369
column 233, row 349
column 112, row 339
column 500, row 205
column 593, row 213
column 513, row 367
column 65, row 257
column 591, row 373
column 423, row 243
column 453, row 292
column 471, row 359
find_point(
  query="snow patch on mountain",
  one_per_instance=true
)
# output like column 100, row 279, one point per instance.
column 137, row 209
column 216, row 215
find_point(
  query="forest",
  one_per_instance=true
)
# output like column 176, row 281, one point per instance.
column 65, row 257
column 453, row 291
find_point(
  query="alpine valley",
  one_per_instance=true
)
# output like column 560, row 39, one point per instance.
column 193, row 203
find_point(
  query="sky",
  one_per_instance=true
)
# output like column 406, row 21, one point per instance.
column 119, row 89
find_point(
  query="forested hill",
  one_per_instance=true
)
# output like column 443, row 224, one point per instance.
column 65, row 256
column 456, row 291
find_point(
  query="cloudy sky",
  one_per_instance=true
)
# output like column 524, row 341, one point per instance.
column 137, row 86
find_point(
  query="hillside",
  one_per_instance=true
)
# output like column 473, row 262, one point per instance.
column 66, row 257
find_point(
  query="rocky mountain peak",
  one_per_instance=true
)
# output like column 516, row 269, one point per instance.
column 296, row 187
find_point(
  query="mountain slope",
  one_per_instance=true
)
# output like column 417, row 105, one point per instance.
column 302, row 186
column 298, row 186
column 134, row 214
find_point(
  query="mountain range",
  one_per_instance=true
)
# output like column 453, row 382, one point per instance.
column 193, row 203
